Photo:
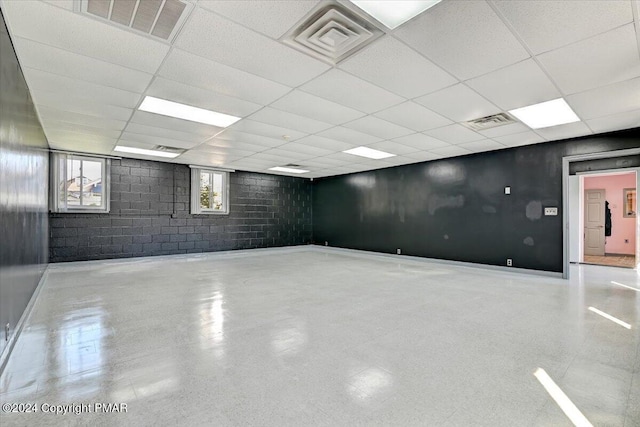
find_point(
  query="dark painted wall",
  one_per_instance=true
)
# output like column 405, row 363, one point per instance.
column 23, row 191
column 150, row 216
column 455, row 208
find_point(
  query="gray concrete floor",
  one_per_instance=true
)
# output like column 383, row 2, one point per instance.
column 313, row 336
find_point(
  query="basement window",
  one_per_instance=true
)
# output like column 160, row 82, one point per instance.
column 209, row 191
column 80, row 183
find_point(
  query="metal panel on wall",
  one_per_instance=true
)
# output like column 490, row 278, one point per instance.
column 23, row 191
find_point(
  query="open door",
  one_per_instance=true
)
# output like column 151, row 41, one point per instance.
column 594, row 212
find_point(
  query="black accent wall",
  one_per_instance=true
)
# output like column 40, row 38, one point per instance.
column 150, row 216
column 456, row 208
column 23, row 191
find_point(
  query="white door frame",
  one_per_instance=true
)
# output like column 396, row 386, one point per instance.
column 566, row 161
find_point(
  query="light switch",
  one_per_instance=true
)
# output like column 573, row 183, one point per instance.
column 507, row 190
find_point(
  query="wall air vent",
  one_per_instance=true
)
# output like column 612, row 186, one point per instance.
column 489, row 122
column 157, row 18
column 332, row 33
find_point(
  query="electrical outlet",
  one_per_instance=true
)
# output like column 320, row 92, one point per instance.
column 398, row 251
column 550, row 211
column 509, row 262
column 326, row 243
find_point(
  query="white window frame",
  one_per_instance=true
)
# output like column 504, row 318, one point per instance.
column 196, row 208
column 59, row 173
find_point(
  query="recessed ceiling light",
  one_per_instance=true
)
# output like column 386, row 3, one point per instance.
column 186, row 112
column 369, row 153
column 393, row 13
column 546, row 114
column 125, row 149
column 289, row 170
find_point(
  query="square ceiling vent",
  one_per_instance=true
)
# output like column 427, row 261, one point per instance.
column 332, row 33
column 161, row 19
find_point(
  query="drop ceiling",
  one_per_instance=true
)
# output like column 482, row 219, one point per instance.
column 407, row 93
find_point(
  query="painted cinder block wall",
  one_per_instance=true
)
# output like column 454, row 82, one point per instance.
column 621, row 228
column 150, row 216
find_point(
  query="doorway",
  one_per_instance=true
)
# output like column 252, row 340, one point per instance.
column 609, row 217
column 573, row 204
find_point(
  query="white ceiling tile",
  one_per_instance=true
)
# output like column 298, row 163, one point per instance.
column 458, row 103
column 345, row 89
column 607, row 100
column 81, row 106
column 221, row 40
column 547, row 25
column 83, row 147
column 413, row 116
column 263, row 129
column 272, row 18
column 466, row 38
column 71, row 129
column 71, row 65
column 421, row 141
column 276, row 159
column 569, row 130
column 630, row 119
column 236, row 144
column 345, row 158
column 516, row 86
column 504, row 130
column 48, row 113
column 452, row 150
column 81, row 139
column 454, row 134
column 196, row 71
column 350, row 136
column 395, row 161
column 423, row 156
column 250, row 138
column 165, row 122
column 42, row 81
column 163, row 133
column 205, row 159
column 524, row 138
column 222, row 151
column 83, row 35
column 391, row 64
column 326, row 143
column 575, row 69
column 483, row 145
column 307, row 149
column 377, row 127
column 331, row 161
column 392, row 147
column 285, row 156
column 197, row 97
column 288, row 120
column 155, row 140
column 305, row 104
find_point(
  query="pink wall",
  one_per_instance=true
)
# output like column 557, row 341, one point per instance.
column 621, row 228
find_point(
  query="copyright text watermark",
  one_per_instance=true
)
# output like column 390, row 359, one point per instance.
column 65, row 409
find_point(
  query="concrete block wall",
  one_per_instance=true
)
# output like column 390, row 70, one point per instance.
column 150, row 216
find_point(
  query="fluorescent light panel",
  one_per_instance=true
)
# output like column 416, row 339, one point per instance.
column 546, row 114
column 289, row 170
column 186, row 112
column 134, row 150
column 567, row 406
column 610, row 317
column 395, row 12
column 369, row 153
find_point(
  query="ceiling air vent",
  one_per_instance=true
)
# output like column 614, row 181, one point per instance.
column 489, row 122
column 331, row 33
column 166, row 149
column 158, row 18
column 292, row 165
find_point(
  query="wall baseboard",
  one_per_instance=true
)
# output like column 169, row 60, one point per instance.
column 6, row 352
